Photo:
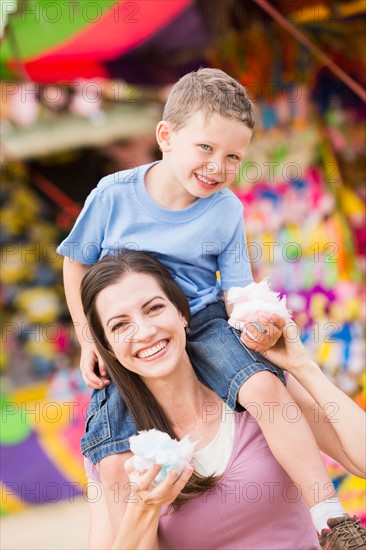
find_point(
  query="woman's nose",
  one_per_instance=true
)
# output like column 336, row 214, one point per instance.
column 145, row 331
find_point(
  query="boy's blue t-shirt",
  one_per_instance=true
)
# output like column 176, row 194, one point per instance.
column 193, row 243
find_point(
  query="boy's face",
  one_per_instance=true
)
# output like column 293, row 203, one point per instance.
column 205, row 158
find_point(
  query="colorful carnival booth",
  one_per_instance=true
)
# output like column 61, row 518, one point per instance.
column 302, row 186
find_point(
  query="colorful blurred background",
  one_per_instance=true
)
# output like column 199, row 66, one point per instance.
column 82, row 87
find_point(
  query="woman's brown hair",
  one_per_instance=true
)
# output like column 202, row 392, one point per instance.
column 143, row 406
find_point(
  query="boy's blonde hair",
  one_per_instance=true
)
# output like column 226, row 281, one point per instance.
column 210, row 91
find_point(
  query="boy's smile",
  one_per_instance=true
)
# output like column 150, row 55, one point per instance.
column 206, row 182
column 199, row 159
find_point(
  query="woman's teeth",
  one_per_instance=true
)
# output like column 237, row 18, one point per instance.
column 151, row 351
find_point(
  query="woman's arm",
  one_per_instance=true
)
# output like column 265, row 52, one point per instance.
column 113, row 522
column 139, row 529
column 140, row 522
column 338, row 423
column 133, row 504
column 332, row 429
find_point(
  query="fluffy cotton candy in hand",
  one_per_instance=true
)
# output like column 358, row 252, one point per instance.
column 252, row 301
column 155, row 447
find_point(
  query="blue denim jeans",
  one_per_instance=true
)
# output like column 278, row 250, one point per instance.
column 221, row 361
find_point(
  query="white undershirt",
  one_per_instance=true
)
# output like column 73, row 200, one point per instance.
column 213, row 459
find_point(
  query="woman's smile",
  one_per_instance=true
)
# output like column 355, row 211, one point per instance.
column 155, row 351
column 158, row 336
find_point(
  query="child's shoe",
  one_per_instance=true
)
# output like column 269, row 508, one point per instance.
column 344, row 533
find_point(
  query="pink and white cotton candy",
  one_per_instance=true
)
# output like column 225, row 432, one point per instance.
column 253, row 301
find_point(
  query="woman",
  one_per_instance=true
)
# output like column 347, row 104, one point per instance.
column 238, row 495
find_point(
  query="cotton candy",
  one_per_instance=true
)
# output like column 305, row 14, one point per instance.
column 155, row 447
column 252, row 301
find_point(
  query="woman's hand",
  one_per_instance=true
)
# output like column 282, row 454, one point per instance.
column 263, row 335
column 145, row 494
column 140, row 521
column 289, row 353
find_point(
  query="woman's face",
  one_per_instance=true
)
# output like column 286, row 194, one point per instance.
column 143, row 328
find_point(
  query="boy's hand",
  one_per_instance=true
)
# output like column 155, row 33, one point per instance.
column 263, row 335
column 90, row 361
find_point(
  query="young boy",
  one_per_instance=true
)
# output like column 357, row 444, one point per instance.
column 181, row 211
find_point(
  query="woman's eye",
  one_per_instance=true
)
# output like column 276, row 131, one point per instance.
column 119, row 326
column 234, row 157
column 155, row 308
column 205, row 147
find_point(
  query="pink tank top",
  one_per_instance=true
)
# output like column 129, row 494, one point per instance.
column 255, row 506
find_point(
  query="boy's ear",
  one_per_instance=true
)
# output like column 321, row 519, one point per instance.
column 163, row 135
